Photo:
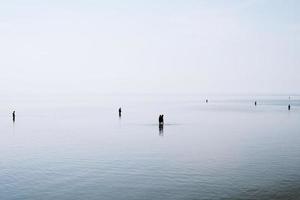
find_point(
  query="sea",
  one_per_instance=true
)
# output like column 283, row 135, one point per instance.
column 77, row 147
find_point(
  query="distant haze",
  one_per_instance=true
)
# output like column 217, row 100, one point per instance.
column 191, row 46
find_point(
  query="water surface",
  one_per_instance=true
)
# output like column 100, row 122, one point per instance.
column 225, row 149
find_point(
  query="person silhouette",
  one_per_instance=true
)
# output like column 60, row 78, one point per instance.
column 161, row 119
column 120, row 112
column 289, row 107
column 255, row 103
column 14, row 116
column 206, row 101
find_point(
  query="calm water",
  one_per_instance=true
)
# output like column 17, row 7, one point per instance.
column 226, row 149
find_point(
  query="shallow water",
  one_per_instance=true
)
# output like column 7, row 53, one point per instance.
column 225, row 149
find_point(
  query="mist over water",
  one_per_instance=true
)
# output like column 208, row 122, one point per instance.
column 68, row 66
column 224, row 149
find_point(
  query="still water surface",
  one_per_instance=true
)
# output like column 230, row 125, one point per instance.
column 225, row 149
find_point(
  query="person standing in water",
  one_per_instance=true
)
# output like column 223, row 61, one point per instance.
column 255, row 103
column 14, row 116
column 161, row 119
column 120, row 112
column 289, row 107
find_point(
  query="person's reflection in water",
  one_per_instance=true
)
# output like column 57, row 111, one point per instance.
column 14, row 116
column 161, row 129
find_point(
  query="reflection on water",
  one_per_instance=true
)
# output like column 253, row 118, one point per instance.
column 223, row 149
column 161, row 129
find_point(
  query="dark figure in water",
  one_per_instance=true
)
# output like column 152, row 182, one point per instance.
column 206, row 101
column 120, row 112
column 255, row 103
column 161, row 119
column 289, row 107
column 14, row 116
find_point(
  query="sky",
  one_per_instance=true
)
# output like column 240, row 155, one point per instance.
column 84, row 47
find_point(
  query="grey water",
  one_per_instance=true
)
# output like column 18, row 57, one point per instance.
column 80, row 149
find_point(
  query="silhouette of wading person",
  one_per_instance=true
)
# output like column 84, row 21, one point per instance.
column 120, row 112
column 161, row 125
column 161, row 119
column 14, row 116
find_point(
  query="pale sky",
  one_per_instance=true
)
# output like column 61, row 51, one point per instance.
column 158, row 46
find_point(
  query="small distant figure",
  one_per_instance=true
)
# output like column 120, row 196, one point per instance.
column 206, row 101
column 161, row 125
column 120, row 112
column 289, row 107
column 161, row 119
column 14, row 116
column 255, row 103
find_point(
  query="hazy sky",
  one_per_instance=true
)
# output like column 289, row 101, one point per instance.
column 157, row 46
